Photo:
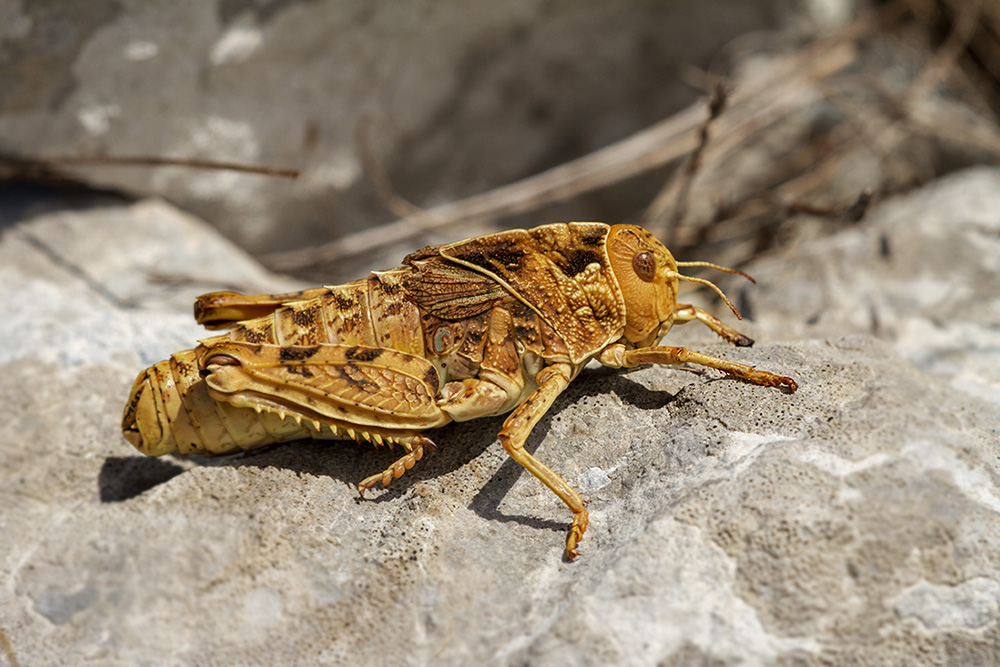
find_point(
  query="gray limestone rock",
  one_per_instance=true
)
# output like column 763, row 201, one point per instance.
column 857, row 520
column 922, row 273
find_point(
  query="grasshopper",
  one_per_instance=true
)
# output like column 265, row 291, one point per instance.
column 481, row 327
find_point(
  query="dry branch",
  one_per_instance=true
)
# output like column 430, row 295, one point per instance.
column 758, row 105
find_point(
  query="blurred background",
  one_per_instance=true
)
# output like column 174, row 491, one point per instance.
column 423, row 122
column 824, row 145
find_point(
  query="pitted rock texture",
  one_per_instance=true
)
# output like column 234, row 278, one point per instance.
column 857, row 520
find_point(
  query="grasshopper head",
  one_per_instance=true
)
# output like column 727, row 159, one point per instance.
column 647, row 275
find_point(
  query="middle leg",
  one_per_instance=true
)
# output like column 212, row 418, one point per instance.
column 552, row 380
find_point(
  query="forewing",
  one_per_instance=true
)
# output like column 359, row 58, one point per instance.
column 451, row 291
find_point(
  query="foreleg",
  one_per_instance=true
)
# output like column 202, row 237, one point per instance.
column 617, row 356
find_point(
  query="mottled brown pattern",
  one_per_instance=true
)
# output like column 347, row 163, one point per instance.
column 340, row 300
column 354, row 378
column 481, row 327
column 474, row 338
column 395, row 318
column 526, row 327
column 300, row 370
column 389, row 390
column 352, row 324
column 432, row 379
column 450, row 291
column 554, row 273
column 225, row 309
column 300, row 323
column 357, row 353
column 297, row 353
column 500, row 354
column 255, row 331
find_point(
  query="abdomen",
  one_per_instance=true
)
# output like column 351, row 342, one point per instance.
column 170, row 409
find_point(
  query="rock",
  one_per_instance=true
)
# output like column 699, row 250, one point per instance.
column 922, row 273
column 463, row 97
column 855, row 520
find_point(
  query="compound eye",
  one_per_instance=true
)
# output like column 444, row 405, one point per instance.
column 644, row 265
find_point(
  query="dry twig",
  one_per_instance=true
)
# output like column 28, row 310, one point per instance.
column 758, row 106
column 42, row 164
column 679, row 191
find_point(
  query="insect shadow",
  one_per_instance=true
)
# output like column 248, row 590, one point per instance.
column 592, row 382
column 125, row 477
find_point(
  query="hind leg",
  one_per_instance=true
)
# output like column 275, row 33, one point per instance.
column 414, row 447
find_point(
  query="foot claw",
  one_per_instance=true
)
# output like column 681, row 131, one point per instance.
column 576, row 532
column 788, row 383
column 429, row 444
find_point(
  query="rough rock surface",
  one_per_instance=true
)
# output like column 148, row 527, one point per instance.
column 923, row 274
column 857, row 520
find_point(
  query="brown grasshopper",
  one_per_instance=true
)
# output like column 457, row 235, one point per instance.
column 470, row 329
